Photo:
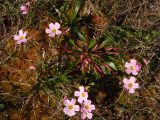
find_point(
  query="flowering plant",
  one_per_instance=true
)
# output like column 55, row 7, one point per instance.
column 86, row 106
column 21, row 37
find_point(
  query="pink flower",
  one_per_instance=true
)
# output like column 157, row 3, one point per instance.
column 25, row 8
column 146, row 61
column 86, row 109
column 32, row 67
column 21, row 38
column 132, row 67
column 54, row 29
column 130, row 85
column 70, row 107
column 87, row 106
column 85, row 115
column 81, row 94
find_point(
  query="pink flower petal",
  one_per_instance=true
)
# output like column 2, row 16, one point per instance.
column 134, row 72
column 24, row 40
column 76, row 108
column 65, row 110
column 67, row 102
column 32, row 67
column 133, row 61
column 20, row 33
column 131, row 90
column 48, row 31
column 71, row 113
column 146, row 61
column 51, row 26
column 135, row 85
column 138, row 67
column 57, row 25
column 25, row 34
column 85, row 99
column 51, row 34
column 81, row 88
column 132, row 79
column 128, row 71
column 73, row 101
column 89, row 115
column 77, row 93
column 58, row 32
column 127, row 65
column 16, row 37
column 125, row 81
column 80, row 99
column 83, row 115
column 23, row 7
column 24, row 12
column 19, row 41
column 88, row 101
column 126, row 87
column 86, row 94
column 92, row 107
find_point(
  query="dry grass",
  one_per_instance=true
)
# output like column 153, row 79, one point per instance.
column 21, row 89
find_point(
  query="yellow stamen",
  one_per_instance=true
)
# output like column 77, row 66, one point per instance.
column 130, row 85
column 86, row 106
column 83, row 95
column 70, row 107
column 132, row 67
column 22, row 37
column 54, row 30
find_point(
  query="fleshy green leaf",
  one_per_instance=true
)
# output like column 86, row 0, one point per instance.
column 71, row 42
column 80, row 36
column 76, row 8
column 64, row 78
column 92, row 43
column 1, row 106
column 113, row 66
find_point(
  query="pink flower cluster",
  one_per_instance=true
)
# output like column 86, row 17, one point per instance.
column 133, row 68
column 52, row 31
column 86, row 106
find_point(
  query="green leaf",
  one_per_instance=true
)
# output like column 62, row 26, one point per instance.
column 122, row 101
column 92, row 84
column 81, row 36
column 103, row 44
column 71, row 42
column 1, row 106
column 105, row 70
column 108, row 39
column 113, row 66
column 64, row 78
column 129, row 34
column 96, row 74
column 92, row 43
column 155, row 33
column 71, row 65
column 147, row 37
column 64, row 17
column 139, row 33
column 76, row 8
column 58, row 79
